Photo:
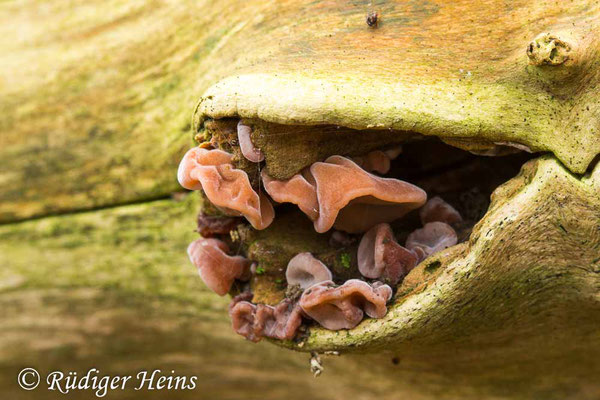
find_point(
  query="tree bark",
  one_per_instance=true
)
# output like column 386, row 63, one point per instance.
column 96, row 113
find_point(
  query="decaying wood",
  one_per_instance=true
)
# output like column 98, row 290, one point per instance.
column 528, row 272
column 454, row 69
column 95, row 112
column 89, row 97
column 113, row 289
column 96, row 98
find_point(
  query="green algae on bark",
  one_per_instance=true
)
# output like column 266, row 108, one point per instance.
column 113, row 289
column 333, row 70
column 96, row 104
column 131, row 105
column 485, row 113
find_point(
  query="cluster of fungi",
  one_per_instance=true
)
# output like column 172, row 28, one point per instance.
column 348, row 196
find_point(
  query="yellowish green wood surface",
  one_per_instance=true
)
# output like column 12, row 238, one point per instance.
column 96, row 99
column 113, row 289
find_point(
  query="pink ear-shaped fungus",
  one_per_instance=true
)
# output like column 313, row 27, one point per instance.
column 296, row 190
column 246, row 146
column 381, row 257
column 433, row 237
column 257, row 321
column 436, row 209
column 343, row 307
column 243, row 322
column 279, row 322
column 353, row 200
column 243, row 314
column 347, row 197
column 375, row 161
column 305, row 270
column 225, row 186
column 217, row 269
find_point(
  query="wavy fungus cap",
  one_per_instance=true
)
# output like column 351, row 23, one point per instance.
column 305, row 270
column 338, row 193
column 433, row 237
column 225, row 186
column 257, row 321
column 343, row 307
column 354, row 200
column 243, row 314
column 217, row 269
column 437, row 209
column 296, row 190
column 380, row 256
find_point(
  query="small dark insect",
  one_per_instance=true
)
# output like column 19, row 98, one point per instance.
column 373, row 19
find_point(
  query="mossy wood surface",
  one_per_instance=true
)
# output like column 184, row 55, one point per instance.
column 96, row 105
column 454, row 69
column 113, row 289
column 96, row 100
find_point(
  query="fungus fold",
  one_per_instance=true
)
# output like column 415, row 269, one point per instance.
column 243, row 314
column 217, row 269
column 296, row 190
column 339, row 193
column 378, row 161
column 225, row 186
column 381, row 257
column 255, row 321
column 394, row 152
column 250, row 152
column 305, row 270
column 433, row 237
column 437, row 209
column 343, row 307
column 375, row 161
